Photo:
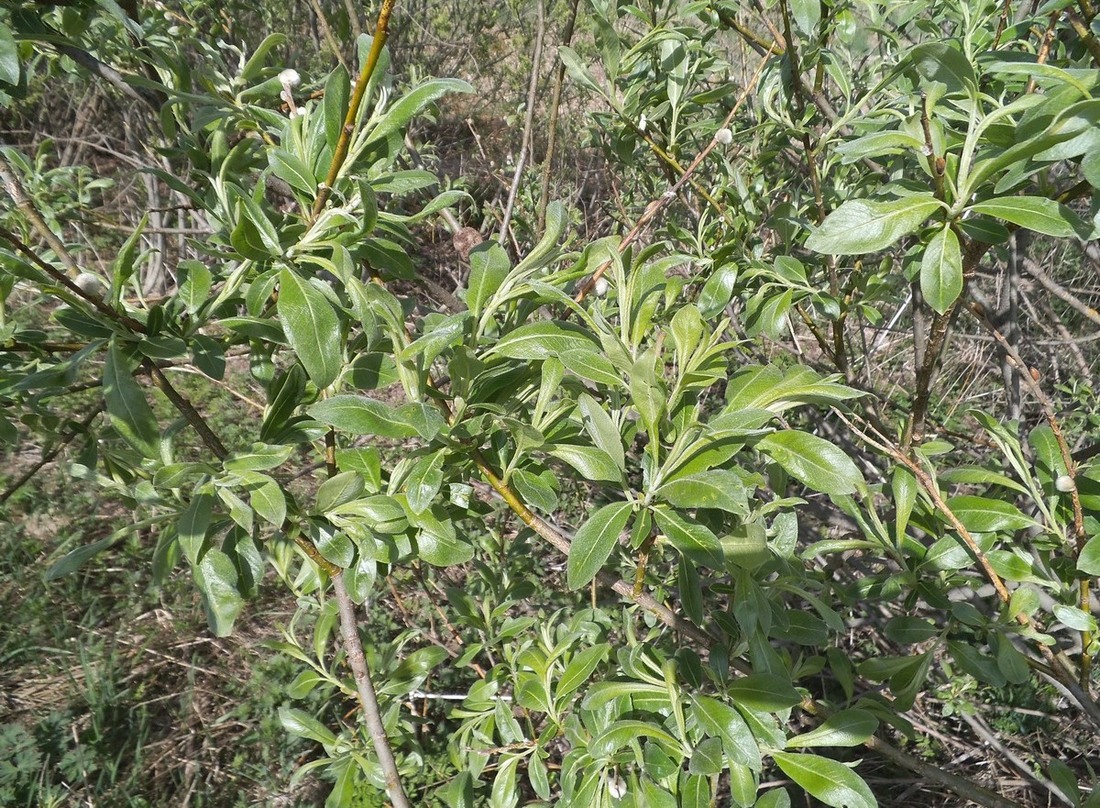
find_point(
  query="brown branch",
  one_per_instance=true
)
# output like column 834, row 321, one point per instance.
column 1033, row 269
column 187, row 410
column 368, row 698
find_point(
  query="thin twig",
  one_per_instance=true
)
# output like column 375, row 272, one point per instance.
column 47, row 457
column 372, row 715
column 528, row 122
column 552, row 123
column 658, row 204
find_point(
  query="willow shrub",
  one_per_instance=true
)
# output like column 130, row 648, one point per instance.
column 878, row 156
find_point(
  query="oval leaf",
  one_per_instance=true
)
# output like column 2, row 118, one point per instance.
column 311, row 326
column 829, row 781
column 594, row 542
column 864, row 225
column 813, row 460
column 941, row 270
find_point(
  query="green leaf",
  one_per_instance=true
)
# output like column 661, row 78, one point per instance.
column 578, row 670
column 647, row 392
column 194, row 285
column 877, row 144
column 690, row 589
column 410, row 104
column 441, row 548
column 941, row 270
column 192, row 526
column 812, row 460
column 985, row 515
column 338, row 490
column 687, row 329
column 764, row 692
column 254, row 236
column 942, row 62
column 907, row 630
column 722, row 721
column 268, row 501
column 807, row 15
column 535, row 489
column 129, row 412
column 358, row 415
column 337, row 92
column 424, row 481
column 216, row 577
column 612, row 739
column 717, row 291
column 590, row 365
column 544, row 339
column 904, row 488
column 776, row 798
column 255, row 64
column 706, row 760
column 311, row 326
column 594, row 464
column 259, row 459
column 489, row 267
column 413, row 670
column 602, row 429
column 864, row 225
column 831, row 782
column 692, row 539
column 717, row 488
column 846, row 728
column 442, row 334
column 302, row 725
column 602, row 693
column 1088, row 561
column 75, row 559
column 594, row 542
column 1074, row 618
column 289, row 167
column 334, row 545
column 9, row 56
column 1035, row 213
column 577, row 70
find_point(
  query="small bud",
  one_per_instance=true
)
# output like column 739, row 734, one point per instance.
column 601, row 286
column 642, row 123
column 290, row 79
column 724, row 136
column 616, row 786
column 90, row 283
column 1065, row 484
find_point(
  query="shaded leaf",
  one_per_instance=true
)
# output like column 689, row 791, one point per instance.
column 1035, row 213
column 127, row 408
column 846, row 728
